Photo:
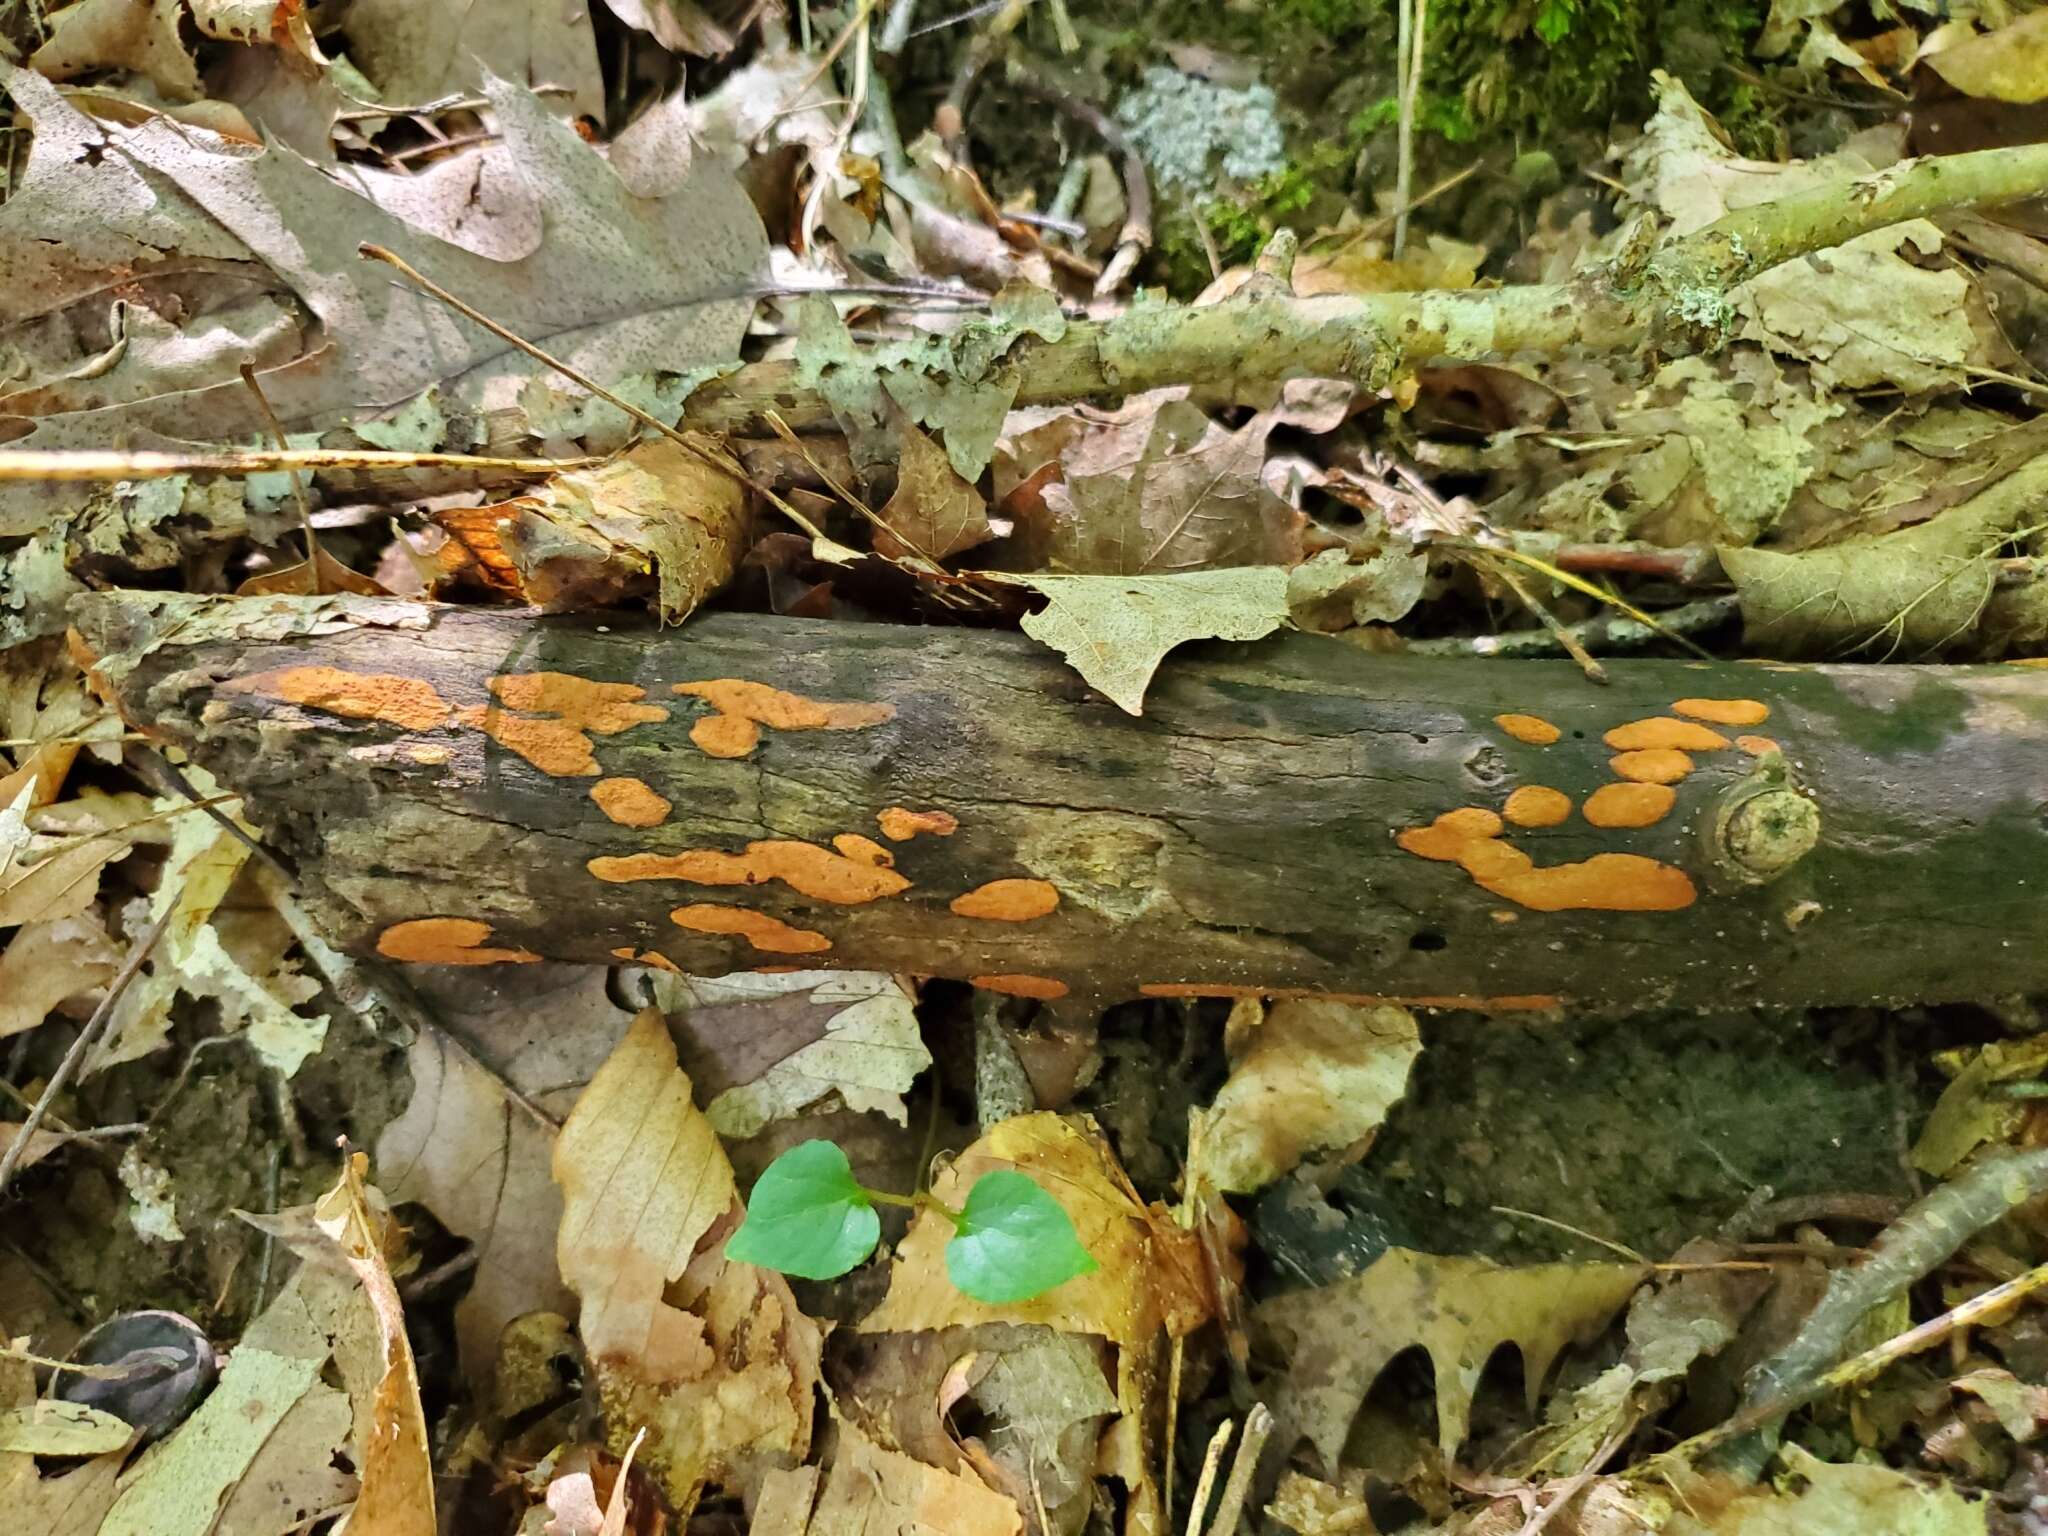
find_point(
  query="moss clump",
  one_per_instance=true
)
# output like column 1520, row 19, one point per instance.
column 1239, row 225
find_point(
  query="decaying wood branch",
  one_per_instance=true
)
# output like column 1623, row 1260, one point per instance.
column 457, row 785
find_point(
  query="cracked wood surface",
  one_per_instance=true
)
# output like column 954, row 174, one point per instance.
column 460, row 785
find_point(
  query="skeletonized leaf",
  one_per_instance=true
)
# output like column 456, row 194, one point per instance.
column 1115, row 630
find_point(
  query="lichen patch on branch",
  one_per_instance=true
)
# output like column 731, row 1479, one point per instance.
column 1629, row 805
column 446, row 941
column 1724, row 711
column 410, row 703
column 819, row 873
column 630, row 802
column 1652, row 765
column 741, row 708
column 1018, row 984
column 900, row 825
column 1008, row 901
column 559, row 713
column 1607, row 882
column 1533, row 729
column 768, row 934
column 1537, row 805
column 1663, row 733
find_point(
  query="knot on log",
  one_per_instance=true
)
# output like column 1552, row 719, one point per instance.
column 1764, row 829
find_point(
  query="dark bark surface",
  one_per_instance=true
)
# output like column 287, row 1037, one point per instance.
column 464, row 784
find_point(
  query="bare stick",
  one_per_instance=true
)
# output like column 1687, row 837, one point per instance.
column 63, row 464
column 1258, row 1424
column 1212, row 1459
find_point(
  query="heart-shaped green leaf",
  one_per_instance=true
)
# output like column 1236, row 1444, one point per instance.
column 1013, row 1242
column 807, row 1216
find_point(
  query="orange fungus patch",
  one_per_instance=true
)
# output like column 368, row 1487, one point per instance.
column 1008, row 901
column 1653, row 765
column 630, row 802
column 1724, row 711
column 1607, row 882
column 864, row 849
column 1629, row 805
column 1757, row 746
column 410, row 703
column 647, row 957
column 804, row 867
column 741, row 708
column 446, row 941
column 1537, row 805
column 1662, row 733
column 768, row 934
column 1013, row 984
column 559, row 713
column 1514, row 1003
column 900, row 826
column 1533, row 729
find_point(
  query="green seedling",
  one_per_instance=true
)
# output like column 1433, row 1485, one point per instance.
column 809, row 1216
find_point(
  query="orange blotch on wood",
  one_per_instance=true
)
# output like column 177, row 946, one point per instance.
column 1016, row 984
column 865, row 849
column 1606, row 882
column 630, row 802
column 559, row 713
column 900, row 826
column 1520, row 1002
column 1450, row 833
column 742, row 708
column 768, row 934
column 1629, row 805
column 803, row 867
column 648, row 957
column 1537, row 805
column 446, row 941
column 1654, row 765
column 1662, row 733
column 1724, row 711
column 1008, row 901
column 1757, row 746
column 410, row 703
column 1533, row 729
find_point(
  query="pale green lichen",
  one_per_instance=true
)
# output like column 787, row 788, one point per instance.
column 1187, row 129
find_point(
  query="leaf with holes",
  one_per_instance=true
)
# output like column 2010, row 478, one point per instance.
column 1013, row 1242
column 808, row 1216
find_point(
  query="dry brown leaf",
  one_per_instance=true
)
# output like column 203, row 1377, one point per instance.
column 2009, row 63
column 619, row 286
column 934, row 510
column 1309, row 1076
column 397, row 1495
column 45, row 963
column 713, row 1358
column 40, row 1145
column 475, row 1156
column 1460, row 1309
column 870, row 1489
column 141, row 36
column 311, row 578
column 1149, row 1283
column 767, row 1048
column 416, row 53
column 643, row 1179
column 656, row 516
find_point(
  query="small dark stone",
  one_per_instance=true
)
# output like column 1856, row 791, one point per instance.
column 167, row 1368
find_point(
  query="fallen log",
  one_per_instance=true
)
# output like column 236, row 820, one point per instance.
column 479, row 786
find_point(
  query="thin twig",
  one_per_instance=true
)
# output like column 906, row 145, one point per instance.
column 1258, row 1424
column 1212, row 1459
column 82, row 1046
column 1595, row 673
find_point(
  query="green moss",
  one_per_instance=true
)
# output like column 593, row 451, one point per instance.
column 1240, row 225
